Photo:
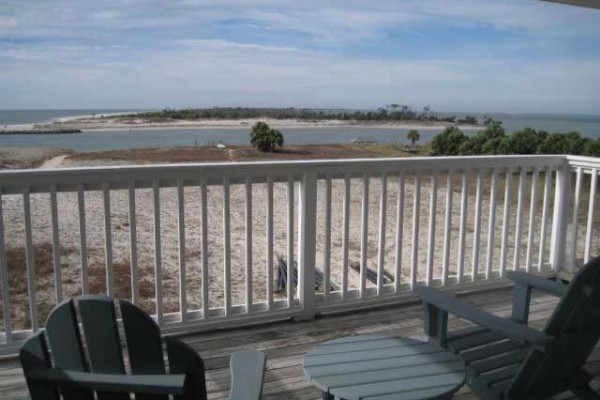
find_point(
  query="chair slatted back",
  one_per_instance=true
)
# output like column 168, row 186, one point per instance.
column 143, row 344
column 99, row 322
column 575, row 323
column 65, row 343
column 99, row 350
column 183, row 359
column 34, row 355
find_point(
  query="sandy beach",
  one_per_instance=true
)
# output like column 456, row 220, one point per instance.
column 130, row 123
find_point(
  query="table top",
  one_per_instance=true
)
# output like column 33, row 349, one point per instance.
column 382, row 367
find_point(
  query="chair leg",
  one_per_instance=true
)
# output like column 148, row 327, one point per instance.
column 326, row 396
column 586, row 393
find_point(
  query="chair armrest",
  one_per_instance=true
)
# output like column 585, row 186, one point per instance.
column 451, row 304
column 537, row 282
column 149, row 384
column 247, row 371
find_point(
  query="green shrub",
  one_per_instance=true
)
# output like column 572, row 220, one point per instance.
column 592, row 148
column 485, row 141
column 448, row 142
column 264, row 138
column 525, row 141
column 474, row 145
column 499, row 145
column 576, row 143
column 556, row 143
column 494, row 140
column 494, row 129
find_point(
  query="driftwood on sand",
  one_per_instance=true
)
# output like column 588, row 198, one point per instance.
column 282, row 275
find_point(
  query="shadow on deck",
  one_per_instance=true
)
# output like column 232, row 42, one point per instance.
column 285, row 343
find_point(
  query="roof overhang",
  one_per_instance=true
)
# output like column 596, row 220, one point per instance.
column 581, row 3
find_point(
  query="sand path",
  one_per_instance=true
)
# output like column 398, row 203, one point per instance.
column 54, row 162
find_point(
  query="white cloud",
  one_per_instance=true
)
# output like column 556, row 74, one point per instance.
column 219, row 44
column 152, row 53
column 204, row 77
column 333, row 25
column 537, row 17
column 328, row 22
column 7, row 22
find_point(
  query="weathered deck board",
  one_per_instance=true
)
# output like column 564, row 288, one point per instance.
column 286, row 342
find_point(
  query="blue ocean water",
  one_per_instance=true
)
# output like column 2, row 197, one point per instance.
column 97, row 140
column 587, row 125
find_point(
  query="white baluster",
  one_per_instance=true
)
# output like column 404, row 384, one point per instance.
column 591, row 212
column 181, row 243
column 399, row 232
column 431, row 232
column 447, row 228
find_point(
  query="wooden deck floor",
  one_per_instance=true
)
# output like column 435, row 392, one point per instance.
column 285, row 343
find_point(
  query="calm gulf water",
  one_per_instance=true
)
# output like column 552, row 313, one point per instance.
column 111, row 140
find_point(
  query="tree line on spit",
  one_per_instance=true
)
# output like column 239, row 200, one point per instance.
column 390, row 112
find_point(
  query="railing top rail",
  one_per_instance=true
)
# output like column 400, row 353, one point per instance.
column 119, row 176
column 585, row 162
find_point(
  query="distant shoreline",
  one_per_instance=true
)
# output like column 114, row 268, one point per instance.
column 131, row 123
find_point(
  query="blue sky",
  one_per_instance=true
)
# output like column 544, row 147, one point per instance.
column 460, row 55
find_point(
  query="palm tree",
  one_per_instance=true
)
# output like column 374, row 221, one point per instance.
column 414, row 136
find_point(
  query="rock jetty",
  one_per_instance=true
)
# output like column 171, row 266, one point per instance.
column 39, row 131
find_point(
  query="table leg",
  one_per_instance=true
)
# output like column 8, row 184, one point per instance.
column 326, row 396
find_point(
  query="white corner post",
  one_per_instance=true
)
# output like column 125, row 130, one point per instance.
column 562, row 196
column 307, row 236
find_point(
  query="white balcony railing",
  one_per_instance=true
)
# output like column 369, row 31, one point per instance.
column 197, row 245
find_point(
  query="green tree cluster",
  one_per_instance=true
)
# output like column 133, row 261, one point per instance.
column 469, row 119
column 265, row 138
column 494, row 140
column 390, row 112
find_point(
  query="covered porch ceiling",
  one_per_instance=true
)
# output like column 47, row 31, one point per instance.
column 581, row 3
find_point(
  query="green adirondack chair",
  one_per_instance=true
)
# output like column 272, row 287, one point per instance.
column 507, row 359
column 78, row 366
